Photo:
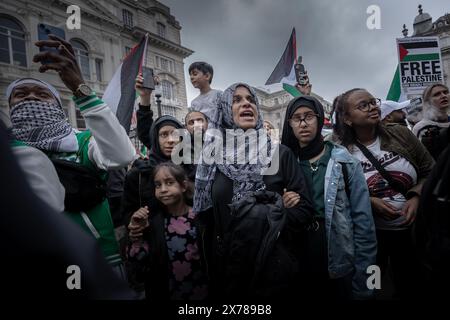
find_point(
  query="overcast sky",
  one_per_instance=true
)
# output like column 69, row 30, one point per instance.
column 244, row 39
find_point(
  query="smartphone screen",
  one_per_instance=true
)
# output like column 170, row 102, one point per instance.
column 147, row 74
column 44, row 30
column 300, row 73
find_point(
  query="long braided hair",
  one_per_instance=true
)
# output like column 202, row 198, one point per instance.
column 342, row 131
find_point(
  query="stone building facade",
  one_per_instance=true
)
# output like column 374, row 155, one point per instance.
column 109, row 29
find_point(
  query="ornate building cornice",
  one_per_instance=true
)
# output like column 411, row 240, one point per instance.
column 162, row 42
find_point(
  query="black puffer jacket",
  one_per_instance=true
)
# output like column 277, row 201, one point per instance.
column 258, row 262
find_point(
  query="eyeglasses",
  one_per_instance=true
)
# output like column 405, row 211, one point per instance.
column 309, row 119
column 365, row 106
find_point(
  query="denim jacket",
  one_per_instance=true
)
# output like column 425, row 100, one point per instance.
column 350, row 230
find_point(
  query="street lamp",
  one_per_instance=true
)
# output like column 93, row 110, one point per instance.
column 158, row 98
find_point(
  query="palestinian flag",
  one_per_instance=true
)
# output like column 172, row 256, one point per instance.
column 418, row 51
column 395, row 90
column 284, row 71
column 120, row 94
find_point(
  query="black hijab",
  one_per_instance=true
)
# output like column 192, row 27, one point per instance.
column 288, row 138
column 155, row 155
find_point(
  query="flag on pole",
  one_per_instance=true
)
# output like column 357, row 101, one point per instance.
column 120, row 95
column 284, row 71
column 395, row 90
column 291, row 90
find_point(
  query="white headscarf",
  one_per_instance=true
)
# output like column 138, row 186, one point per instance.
column 18, row 82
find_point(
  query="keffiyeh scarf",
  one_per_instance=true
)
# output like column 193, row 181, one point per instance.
column 43, row 125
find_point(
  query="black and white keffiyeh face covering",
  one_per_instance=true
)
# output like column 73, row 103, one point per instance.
column 43, row 125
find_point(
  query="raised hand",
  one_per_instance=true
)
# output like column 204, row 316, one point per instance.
column 64, row 61
column 306, row 88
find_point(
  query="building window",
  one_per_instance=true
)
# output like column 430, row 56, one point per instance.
column 12, row 43
column 80, row 120
column 127, row 18
column 82, row 55
column 161, row 30
column 99, row 69
column 276, row 101
column 169, row 111
column 165, row 64
column 167, row 90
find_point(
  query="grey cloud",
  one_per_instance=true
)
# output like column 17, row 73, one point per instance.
column 243, row 39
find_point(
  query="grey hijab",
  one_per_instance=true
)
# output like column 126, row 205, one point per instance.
column 246, row 177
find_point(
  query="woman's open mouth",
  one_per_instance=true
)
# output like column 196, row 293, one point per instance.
column 247, row 115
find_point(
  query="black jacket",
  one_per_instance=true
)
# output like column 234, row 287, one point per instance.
column 257, row 261
column 432, row 225
column 217, row 219
column 144, row 123
column 138, row 190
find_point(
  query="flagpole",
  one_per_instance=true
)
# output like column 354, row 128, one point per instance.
column 144, row 63
column 144, row 55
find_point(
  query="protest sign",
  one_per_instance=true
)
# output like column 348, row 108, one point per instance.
column 420, row 64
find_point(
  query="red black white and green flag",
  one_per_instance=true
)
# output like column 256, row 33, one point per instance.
column 284, row 71
column 120, row 95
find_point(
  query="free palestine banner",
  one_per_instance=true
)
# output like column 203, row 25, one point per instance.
column 420, row 64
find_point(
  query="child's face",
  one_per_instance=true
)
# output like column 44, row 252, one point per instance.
column 199, row 79
column 167, row 189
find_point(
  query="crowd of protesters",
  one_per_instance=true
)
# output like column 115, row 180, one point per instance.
column 306, row 216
